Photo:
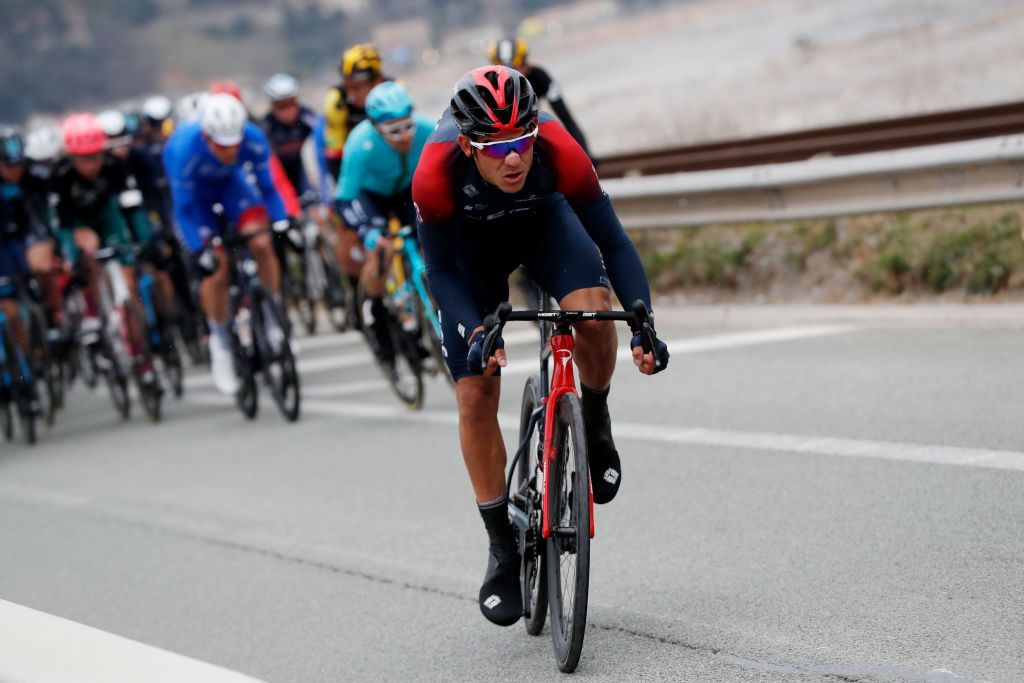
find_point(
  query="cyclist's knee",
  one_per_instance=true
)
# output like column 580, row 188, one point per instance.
column 40, row 257
column 9, row 307
column 478, row 397
column 588, row 299
column 87, row 241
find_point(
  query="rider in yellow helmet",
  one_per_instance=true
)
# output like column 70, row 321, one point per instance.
column 344, row 105
column 513, row 52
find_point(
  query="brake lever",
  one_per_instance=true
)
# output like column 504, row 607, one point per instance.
column 494, row 324
column 643, row 326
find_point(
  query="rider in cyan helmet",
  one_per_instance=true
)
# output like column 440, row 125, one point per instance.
column 376, row 183
column 500, row 185
column 513, row 52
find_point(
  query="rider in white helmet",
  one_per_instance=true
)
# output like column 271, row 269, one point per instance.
column 288, row 125
column 209, row 162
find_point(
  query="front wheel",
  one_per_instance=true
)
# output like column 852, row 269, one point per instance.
column 534, row 583
column 279, row 371
column 568, row 548
column 338, row 293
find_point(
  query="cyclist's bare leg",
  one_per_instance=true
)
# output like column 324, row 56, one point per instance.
column 135, row 323
column 347, row 241
column 213, row 292
column 596, row 341
column 40, row 262
column 88, row 243
column 372, row 278
column 262, row 249
column 11, row 312
column 483, row 448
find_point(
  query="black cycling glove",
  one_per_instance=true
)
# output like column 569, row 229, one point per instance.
column 661, row 353
column 475, row 358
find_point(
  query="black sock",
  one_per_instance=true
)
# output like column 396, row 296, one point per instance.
column 595, row 406
column 500, row 532
column 605, row 466
column 500, row 599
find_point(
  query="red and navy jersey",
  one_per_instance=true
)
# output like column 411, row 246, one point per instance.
column 448, row 186
column 451, row 197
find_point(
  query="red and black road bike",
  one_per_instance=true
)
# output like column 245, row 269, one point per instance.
column 551, row 504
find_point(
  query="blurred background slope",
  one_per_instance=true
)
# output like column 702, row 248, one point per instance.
column 637, row 74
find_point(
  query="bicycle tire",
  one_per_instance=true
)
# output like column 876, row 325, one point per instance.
column 170, row 357
column 247, row 395
column 20, row 388
column 337, row 290
column 6, row 419
column 42, row 362
column 568, row 552
column 405, row 376
column 284, row 382
column 114, row 375
column 297, row 295
column 532, row 576
column 150, row 392
column 432, row 340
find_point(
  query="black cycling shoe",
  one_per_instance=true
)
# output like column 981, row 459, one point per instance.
column 501, row 598
column 605, row 466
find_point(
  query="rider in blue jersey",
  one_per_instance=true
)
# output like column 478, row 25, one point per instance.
column 381, row 154
column 223, row 159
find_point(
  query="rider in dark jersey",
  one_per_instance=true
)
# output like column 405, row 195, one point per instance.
column 497, row 187
column 513, row 52
column 288, row 124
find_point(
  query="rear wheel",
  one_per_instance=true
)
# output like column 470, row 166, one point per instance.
column 568, row 548
column 534, row 581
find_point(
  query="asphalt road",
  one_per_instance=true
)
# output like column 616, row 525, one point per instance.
column 808, row 494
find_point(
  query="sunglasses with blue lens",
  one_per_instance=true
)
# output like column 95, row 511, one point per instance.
column 502, row 148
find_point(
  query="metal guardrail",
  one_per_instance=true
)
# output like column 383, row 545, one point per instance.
column 978, row 171
column 857, row 138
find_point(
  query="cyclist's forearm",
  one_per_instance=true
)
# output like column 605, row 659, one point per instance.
column 621, row 258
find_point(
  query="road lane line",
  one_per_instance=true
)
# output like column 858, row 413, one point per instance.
column 36, row 647
column 960, row 456
column 712, row 342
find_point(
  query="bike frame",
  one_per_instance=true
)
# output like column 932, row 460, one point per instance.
column 560, row 347
column 563, row 381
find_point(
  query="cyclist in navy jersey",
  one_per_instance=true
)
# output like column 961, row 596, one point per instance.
column 288, row 124
column 500, row 186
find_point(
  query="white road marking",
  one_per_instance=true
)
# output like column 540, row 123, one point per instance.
column 699, row 436
column 36, row 647
column 712, row 342
column 344, row 388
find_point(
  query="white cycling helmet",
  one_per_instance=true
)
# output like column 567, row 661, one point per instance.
column 43, row 144
column 281, row 87
column 113, row 123
column 189, row 106
column 157, row 108
column 223, row 119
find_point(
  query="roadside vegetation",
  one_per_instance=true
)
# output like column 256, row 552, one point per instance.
column 972, row 251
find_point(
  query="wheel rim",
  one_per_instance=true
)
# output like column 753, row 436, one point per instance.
column 566, row 517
